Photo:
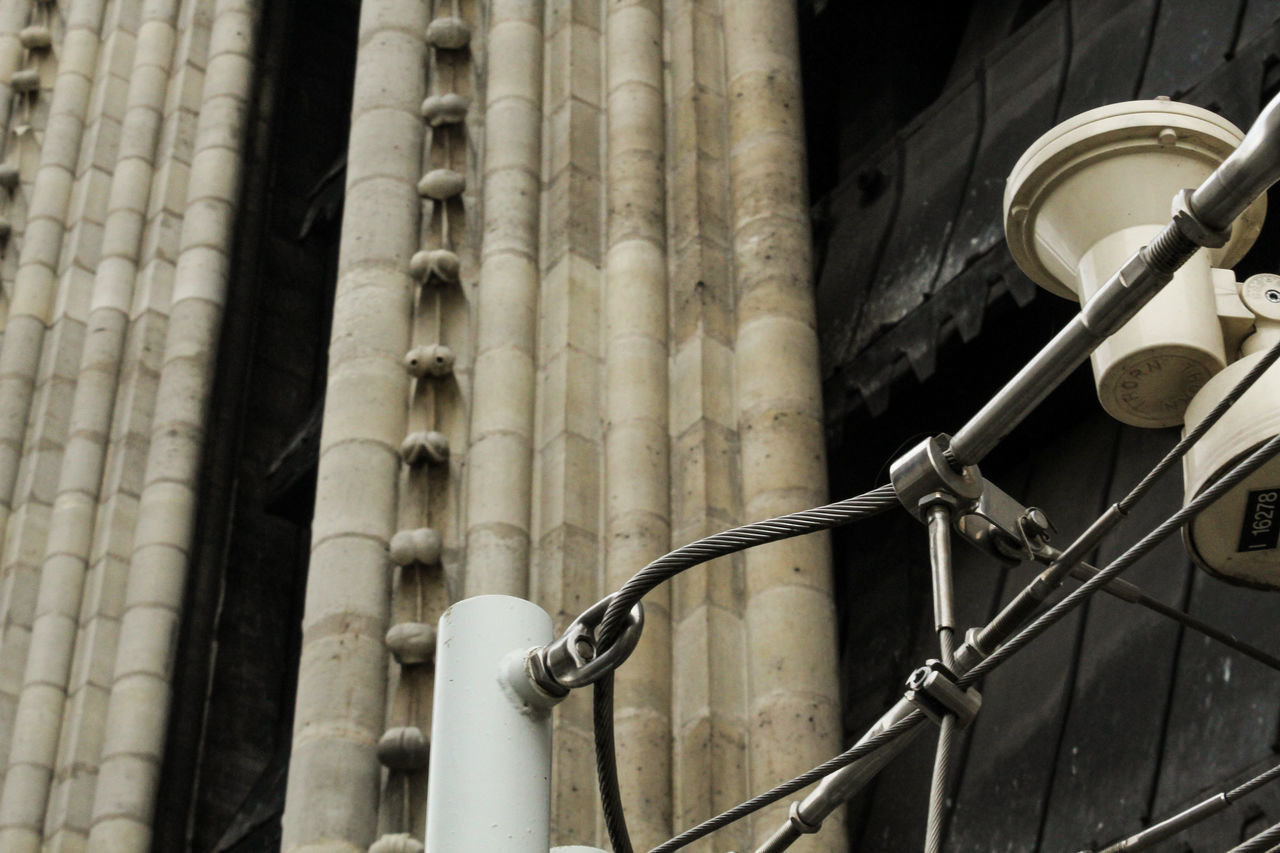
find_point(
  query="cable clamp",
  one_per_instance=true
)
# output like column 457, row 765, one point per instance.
column 576, row 659
column 932, row 688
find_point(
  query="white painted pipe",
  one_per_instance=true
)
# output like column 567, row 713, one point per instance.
column 137, row 714
column 489, row 780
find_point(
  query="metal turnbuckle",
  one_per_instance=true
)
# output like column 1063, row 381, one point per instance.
column 932, row 688
column 575, row 659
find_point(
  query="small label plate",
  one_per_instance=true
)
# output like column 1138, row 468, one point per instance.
column 1260, row 530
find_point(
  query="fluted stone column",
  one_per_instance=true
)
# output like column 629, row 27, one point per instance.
column 637, row 482
column 32, row 311
column 137, row 713
column 502, row 418
column 69, row 813
column 40, row 708
column 794, row 718
column 333, row 787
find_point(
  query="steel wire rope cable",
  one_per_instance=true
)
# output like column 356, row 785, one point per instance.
column 1006, row 650
column 1206, row 423
column 1046, row 620
column 1264, row 842
column 1254, row 784
column 805, row 779
column 668, row 566
column 1171, row 826
column 736, row 540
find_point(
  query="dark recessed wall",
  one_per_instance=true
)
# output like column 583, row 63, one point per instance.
column 227, row 752
column 1117, row 717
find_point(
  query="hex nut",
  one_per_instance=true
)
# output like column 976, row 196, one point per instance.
column 403, row 748
column 428, row 446
column 448, row 33
column 412, row 643
column 400, row 842
column 441, row 263
column 442, row 184
column 450, row 108
column 430, row 360
column 420, row 547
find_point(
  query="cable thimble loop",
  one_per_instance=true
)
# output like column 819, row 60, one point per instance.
column 575, row 660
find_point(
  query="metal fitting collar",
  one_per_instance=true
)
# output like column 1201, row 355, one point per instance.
column 575, row 659
column 932, row 688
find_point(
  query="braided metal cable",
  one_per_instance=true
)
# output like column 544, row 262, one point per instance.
column 668, row 566
column 1215, row 415
column 738, row 539
column 1253, row 784
column 774, row 794
column 615, row 821
column 1263, row 842
column 1046, row 620
column 942, row 760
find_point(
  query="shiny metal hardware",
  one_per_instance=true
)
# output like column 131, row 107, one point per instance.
column 1004, row 528
column 798, row 823
column 932, row 688
column 928, row 468
column 575, row 659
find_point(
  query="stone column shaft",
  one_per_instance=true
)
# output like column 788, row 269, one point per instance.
column 502, row 419
column 40, row 707
column 637, row 481
column 333, row 788
column 790, row 614
column 137, row 713
column 32, row 311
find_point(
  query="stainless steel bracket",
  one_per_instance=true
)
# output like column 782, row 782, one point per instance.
column 1004, row 528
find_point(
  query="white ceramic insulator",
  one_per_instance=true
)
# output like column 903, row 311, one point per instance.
column 489, row 782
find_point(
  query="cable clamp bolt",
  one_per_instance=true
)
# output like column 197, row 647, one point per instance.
column 932, row 688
